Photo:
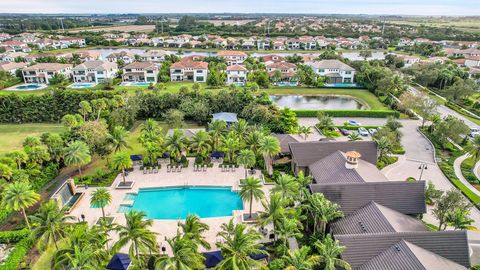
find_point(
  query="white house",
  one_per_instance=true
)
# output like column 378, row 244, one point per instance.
column 12, row 67
column 95, row 71
column 233, row 57
column 43, row 72
column 472, row 61
column 409, row 60
column 125, row 56
column 236, row 74
column 140, row 72
column 335, row 70
column 153, row 55
column 189, row 70
column 69, row 41
column 286, row 71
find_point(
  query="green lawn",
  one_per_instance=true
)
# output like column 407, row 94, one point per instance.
column 12, row 135
column 361, row 95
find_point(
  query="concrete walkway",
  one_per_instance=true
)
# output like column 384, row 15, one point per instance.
column 458, row 172
column 476, row 169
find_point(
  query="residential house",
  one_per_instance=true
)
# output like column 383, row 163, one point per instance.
column 43, row 72
column 15, row 46
column 236, row 74
column 249, row 44
column 307, row 43
column 126, row 56
column 153, row 55
column 282, row 71
column 263, row 44
column 4, row 36
column 405, row 42
column 409, row 60
column 437, row 60
column 335, row 70
column 140, row 72
column 189, row 70
column 472, row 61
column 12, row 67
column 293, row 44
column 279, row 46
column 233, row 57
column 69, row 41
column 95, row 71
column 89, row 55
column 272, row 58
column 11, row 56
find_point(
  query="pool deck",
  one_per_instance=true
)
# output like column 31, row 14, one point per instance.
column 168, row 228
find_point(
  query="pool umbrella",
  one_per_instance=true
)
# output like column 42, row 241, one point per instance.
column 119, row 261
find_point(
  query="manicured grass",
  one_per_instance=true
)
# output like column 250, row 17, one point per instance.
column 12, row 135
column 361, row 95
column 44, row 262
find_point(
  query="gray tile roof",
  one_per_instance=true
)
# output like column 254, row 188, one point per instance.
column 306, row 153
column 404, row 197
column 331, row 169
column 405, row 255
column 361, row 248
column 375, row 218
column 330, row 64
column 284, row 140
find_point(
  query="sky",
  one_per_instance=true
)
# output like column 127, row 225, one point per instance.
column 401, row 7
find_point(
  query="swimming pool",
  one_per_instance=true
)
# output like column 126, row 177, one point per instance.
column 81, row 85
column 286, row 84
column 28, row 86
column 136, row 83
column 178, row 202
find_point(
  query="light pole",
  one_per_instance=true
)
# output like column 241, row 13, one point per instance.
column 422, row 167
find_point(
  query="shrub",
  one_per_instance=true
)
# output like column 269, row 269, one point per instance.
column 198, row 160
column 13, row 236
column 349, row 113
column 17, row 255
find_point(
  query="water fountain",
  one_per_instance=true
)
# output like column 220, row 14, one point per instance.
column 67, row 195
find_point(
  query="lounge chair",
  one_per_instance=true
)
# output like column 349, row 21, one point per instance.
column 150, row 169
column 194, row 167
column 233, row 168
column 222, row 168
column 204, row 168
column 156, row 169
column 179, row 169
column 144, row 170
column 168, row 168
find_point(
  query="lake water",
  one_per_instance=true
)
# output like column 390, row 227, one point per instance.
column 317, row 102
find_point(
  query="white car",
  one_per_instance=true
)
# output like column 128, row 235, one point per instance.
column 372, row 131
column 474, row 132
column 363, row 131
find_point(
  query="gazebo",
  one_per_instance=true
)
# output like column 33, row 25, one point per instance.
column 228, row 117
column 119, row 261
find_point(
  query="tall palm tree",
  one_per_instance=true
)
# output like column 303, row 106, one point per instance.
column 384, row 147
column 122, row 161
column 238, row 246
column 217, row 129
column 77, row 154
column 176, row 144
column 247, row 158
column 251, row 189
column 201, row 143
column 474, row 149
column 240, row 128
column 78, row 258
column 253, row 140
column 184, row 255
column 322, row 211
column 84, row 109
column 17, row 196
column 19, row 157
column 304, row 183
column 118, row 139
column 328, row 252
column 193, row 229
column 274, row 211
column 37, row 155
column 300, row 259
column 269, row 147
column 136, row 233
column 230, row 144
column 50, row 223
column 305, row 131
column 286, row 228
column 101, row 198
column 6, row 172
column 325, row 121
column 286, row 186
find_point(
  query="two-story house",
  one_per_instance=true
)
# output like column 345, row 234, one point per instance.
column 236, row 74
column 189, row 70
column 335, row 70
column 140, row 72
column 43, row 72
column 233, row 57
column 153, row 55
column 95, row 71
column 12, row 67
column 69, row 41
column 282, row 72
column 126, row 56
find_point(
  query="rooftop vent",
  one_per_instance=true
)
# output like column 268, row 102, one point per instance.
column 352, row 159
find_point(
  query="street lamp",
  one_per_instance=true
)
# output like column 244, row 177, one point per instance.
column 422, row 167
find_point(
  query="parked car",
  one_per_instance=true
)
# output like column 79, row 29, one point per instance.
column 474, row 132
column 344, row 132
column 354, row 123
column 363, row 131
column 372, row 131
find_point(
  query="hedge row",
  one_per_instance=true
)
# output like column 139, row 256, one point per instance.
column 13, row 236
column 349, row 113
column 17, row 255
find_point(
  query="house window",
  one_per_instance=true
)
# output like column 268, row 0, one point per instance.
column 199, row 71
column 128, row 70
column 150, row 71
column 321, row 70
column 347, row 80
column 50, row 73
column 150, row 79
column 199, row 78
column 348, row 72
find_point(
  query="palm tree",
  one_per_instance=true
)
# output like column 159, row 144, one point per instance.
column 99, row 105
column 286, row 228
column 19, row 195
column 247, row 158
column 274, row 211
column 325, row 121
column 474, row 149
column 322, row 211
column 37, row 154
column 460, row 219
column 77, row 153
column 354, row 136
column 19, row 156
column 201, row 143
column 251, row 189
column 300, row 259
column 328, row 252
column 253, row 140
column 230, row 144
column 286, row 186
column 136, row 233
column 175, row 144
column 50, row 223
column 6, row 172
column 304, row 183
column 184, row 255
column 237, row 246
column 101, row 198
column 384, row 147
column 193, row 229
column 305, row 131
column 75, row 258
column 122, row 161
column 84, row 109
column 118, row 139
column 269, row 147
column 216, row 129
column 240, row 128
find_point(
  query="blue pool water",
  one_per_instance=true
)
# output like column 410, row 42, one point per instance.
column 140, row 84
column 81, row 85
column 341, row 85
column 286, row 84
column 28, row 86
column 178, row 202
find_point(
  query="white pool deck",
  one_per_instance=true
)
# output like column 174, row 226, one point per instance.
column 168, row 228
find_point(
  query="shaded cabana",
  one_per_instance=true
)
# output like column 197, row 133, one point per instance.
column 137, row 159
column 217, row 154
column 119, row 261
column 228, row 117
column 212, row 258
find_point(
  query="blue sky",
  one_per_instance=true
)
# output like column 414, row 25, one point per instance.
column 409, row 7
